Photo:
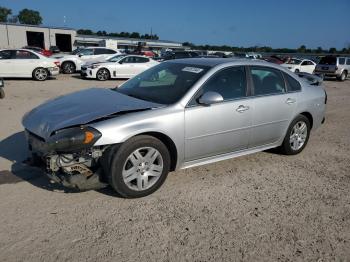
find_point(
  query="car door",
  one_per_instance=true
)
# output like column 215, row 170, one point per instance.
column 126, row 67
column 87, row 55
column 274, row 107
column 140, row 64
column 6, row 59
column 222, row 127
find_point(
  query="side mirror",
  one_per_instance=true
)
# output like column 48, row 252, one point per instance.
column 80, row 55
column 120, row 62
column 209, row 98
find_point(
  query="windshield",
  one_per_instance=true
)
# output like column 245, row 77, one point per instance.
column 328, row 60
column 294, row 61
column 165, row 83
column 115, row 58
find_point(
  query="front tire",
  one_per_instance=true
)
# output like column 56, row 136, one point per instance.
column 68, row 68
column 343, row 76
column 297, row 136
column 40, row 74
column 139, row 166
column 103, row 74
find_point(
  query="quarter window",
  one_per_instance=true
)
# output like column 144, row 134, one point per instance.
column 230, row 83
column 341, row 61
column 293, row 85
column 348, row 61
column 267, row 81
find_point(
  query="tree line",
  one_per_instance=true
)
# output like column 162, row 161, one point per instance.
column 121, row 34
column 267, row 49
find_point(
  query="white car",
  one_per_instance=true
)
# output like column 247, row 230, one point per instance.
column 119, row 66
column 27, row 64
column 300, row 65
column 73, row 62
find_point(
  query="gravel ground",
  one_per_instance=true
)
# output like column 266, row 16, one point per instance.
column 262, row 207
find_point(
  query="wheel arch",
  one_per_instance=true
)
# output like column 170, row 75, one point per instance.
column 309, row 117
column 168, row 142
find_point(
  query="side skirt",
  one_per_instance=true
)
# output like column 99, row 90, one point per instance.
column 217, row 158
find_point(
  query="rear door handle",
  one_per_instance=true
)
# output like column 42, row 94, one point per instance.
column 290, row 101
column 242, row 108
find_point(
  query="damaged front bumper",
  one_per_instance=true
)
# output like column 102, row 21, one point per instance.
column 81, row 170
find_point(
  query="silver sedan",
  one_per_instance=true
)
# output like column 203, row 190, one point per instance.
column 178, row 114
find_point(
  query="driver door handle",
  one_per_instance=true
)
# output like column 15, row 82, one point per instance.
column 290, row 101
column 242, row 108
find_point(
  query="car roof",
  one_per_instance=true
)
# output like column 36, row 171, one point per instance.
column 212, row 62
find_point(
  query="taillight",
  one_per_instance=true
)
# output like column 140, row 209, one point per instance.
column 57, row 63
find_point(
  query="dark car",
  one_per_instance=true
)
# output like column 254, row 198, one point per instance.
column 180, row 55
column 54, row 49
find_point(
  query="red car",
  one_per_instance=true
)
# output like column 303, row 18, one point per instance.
column 39, row 50
column 147, row 53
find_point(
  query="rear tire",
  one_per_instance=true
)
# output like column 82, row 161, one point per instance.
column 40, row 74
column 68, row 68
column 138, row 167
column 297, row 136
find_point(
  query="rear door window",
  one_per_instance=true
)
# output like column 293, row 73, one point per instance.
column 21, row 54
column 267, row 81
column 341, row 61
column 348, row 61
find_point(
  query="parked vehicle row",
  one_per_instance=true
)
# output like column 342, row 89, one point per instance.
column 333, row 66
column 175, row 115
column 300, row 65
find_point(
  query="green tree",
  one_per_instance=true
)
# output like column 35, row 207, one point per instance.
column 85, row 32
column 332, row 50
column 319, row 50
column 302, row 49
column 29, row 17
column 134, row 35
column 4, row 13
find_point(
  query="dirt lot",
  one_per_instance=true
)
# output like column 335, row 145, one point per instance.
column 262, row 207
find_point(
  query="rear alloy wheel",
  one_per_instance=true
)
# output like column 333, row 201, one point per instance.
column 139, row 167
column 297, row 136
column 68, row 68
column 102, row 74
column 40, row 74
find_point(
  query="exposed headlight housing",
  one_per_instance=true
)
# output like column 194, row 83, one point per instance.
column 73, row 139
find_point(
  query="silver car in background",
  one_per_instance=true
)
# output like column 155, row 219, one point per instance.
column 178, row 114
column 333, row 66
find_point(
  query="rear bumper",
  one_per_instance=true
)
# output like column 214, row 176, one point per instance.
column 54, row 71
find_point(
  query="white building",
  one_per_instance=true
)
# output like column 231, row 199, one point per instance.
column 17, row 36
column 66, row 39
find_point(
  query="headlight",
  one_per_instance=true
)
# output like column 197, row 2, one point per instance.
column 73, row 139
column 93, row 66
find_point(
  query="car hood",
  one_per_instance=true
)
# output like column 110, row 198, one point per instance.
column 80, row 108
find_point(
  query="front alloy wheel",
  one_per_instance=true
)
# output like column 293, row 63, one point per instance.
column 298, row 135
column 142, row 168
column 138, row 167
column 102, row 74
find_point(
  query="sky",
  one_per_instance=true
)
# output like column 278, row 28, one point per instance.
column 275, row 23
